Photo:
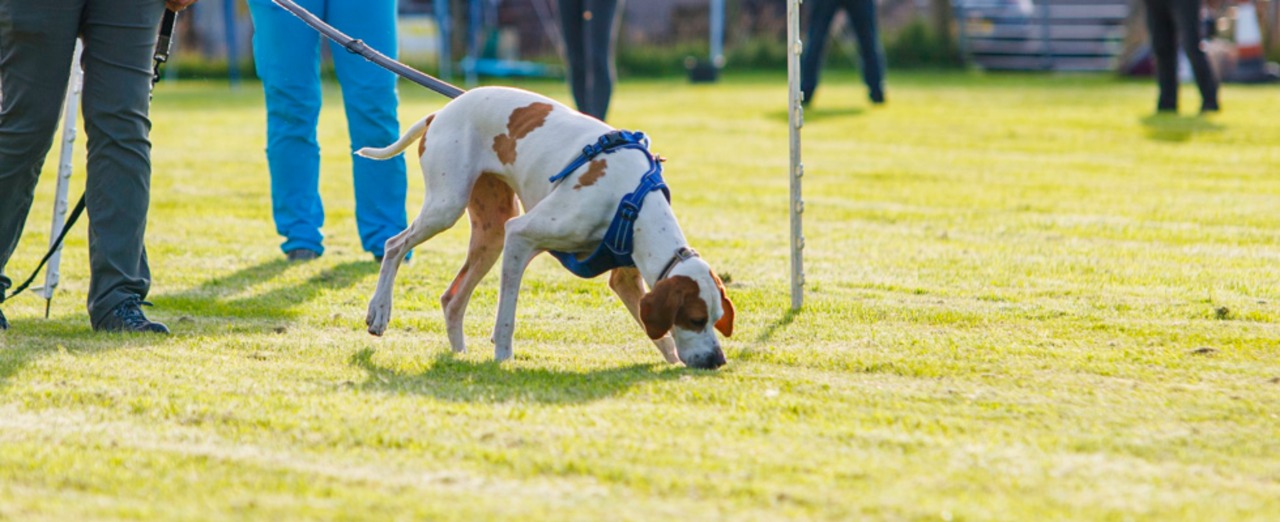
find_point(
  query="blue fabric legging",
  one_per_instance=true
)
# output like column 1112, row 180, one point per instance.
column 287, row 56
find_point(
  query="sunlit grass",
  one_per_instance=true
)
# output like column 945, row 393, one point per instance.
column 1028, row 299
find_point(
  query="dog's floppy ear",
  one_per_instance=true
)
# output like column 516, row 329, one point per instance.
column 725, row 324
column 658, row 308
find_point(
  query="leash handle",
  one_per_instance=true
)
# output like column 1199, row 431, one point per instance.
column 356, row 46
column 164, row 42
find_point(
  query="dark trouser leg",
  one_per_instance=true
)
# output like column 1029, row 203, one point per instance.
column 816, row 40
column 119, row 38
column 862, row 15
column 1186, row 14
column 37, row 40
column 571, row 26
column 599, row 55
column 1164, row 46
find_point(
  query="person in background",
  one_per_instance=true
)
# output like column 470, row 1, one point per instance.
column 37, row 42
column 1174, row 22
column 588, row 29
column 287, row 56
column 862, row 16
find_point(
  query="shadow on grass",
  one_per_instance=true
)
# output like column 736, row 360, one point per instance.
column 27, row 341
column 782, row 322
column 1177, row 129
column 453, row 379
column 754, row 351
column 816, row 114
column 207, row 300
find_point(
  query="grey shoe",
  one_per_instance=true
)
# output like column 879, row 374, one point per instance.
column 128, row 317
column 301, row 254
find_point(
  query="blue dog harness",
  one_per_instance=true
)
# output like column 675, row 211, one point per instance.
column 618, row 243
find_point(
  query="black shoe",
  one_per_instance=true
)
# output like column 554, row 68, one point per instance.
column 301, row 254
column 4, row 323
column 877, row 97
column 1210, row 107
column 128, row 317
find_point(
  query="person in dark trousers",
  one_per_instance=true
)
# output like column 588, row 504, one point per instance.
column 37, row 41
column 588, row 27
column 862, row 16
column 1174, row 22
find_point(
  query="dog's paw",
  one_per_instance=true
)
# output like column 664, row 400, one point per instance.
column 377, row 319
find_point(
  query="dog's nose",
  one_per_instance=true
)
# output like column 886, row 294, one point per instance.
column 708, row 362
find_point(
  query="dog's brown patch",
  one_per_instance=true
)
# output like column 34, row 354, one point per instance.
column 521, row 122
column 673, row 302
column 595, row 171
column 422, row 143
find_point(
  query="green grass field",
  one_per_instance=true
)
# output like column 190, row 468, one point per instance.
column 1028, row 299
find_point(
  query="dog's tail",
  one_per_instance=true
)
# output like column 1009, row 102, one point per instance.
column 390, row 151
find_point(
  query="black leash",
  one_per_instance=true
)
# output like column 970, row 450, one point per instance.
column 357, row 46
column 163, row 42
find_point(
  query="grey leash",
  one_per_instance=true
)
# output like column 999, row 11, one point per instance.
column 357, row 46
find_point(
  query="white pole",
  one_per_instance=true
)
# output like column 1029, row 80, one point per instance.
column 795, row 118
column 70, row 113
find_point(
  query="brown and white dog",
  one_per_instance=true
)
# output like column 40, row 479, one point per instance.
column 492, row 145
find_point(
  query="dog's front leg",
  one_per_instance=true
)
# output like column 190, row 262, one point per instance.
column 629, row 286
column 519, row 249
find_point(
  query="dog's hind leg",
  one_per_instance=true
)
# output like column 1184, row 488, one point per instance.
column 492, row 204
column 444, row 205
column 627, row 283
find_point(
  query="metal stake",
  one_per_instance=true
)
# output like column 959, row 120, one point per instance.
column 70, row 114
column 795, row 119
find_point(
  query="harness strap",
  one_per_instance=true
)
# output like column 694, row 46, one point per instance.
column 607, row 144
column 619, row 240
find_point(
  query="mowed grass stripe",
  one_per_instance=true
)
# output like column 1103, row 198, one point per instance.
column 1027, row 299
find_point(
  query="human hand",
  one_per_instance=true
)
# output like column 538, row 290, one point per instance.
column 177, row 5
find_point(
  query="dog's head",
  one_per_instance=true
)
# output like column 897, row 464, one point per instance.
column 691, row 304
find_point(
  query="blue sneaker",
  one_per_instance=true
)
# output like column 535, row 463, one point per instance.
column 128, row 317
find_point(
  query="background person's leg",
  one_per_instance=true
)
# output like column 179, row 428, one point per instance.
column 571, row 28
column 862, row 16
column 37, row 40
column 286, row 54
column 1164, row 47
column 814, row 43
column 1186, row 14
column 119, row 41
column 605, row 17
column 369, row 96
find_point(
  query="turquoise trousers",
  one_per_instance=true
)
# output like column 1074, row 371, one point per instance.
column 287, row 56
